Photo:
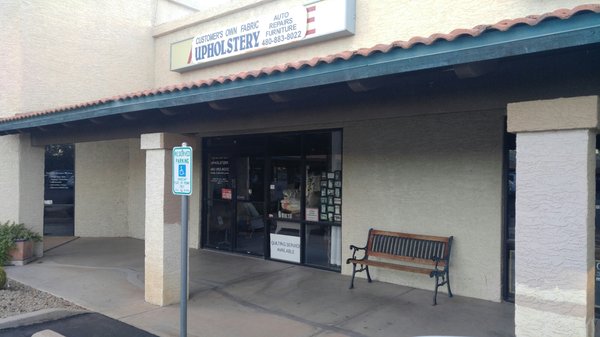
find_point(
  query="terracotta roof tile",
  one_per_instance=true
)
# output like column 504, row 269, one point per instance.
column 504, row 25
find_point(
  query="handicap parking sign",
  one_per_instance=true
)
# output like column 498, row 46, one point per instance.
column 182, row 170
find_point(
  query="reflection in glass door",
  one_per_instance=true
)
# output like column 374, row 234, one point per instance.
column 59, row 190
column 219, row 202
column 510, row 223
column 235, row 203
column 250, row 198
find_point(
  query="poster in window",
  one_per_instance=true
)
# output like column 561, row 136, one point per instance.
column 331, row 196
column 312, row 214
column 226, row 193
column 219, row 170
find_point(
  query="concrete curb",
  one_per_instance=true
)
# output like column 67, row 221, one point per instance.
column 35, row 317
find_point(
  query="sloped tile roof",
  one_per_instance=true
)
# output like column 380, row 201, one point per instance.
column 504, row 25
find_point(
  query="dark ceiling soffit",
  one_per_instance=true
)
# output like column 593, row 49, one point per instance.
column 548, row 35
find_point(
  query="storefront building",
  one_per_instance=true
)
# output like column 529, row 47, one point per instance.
column 312, row 123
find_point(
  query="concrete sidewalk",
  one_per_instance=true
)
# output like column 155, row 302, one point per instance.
column 234, row 295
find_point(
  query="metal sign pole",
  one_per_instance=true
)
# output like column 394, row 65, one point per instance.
column 184, row 265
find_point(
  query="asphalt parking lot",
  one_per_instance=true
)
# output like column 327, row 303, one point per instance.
column 85, row 324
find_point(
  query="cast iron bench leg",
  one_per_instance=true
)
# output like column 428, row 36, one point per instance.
column 368, row 274
column 353, row 273
column 437, row 284
column 448, row 283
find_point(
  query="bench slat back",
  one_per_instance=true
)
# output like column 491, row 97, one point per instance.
column 408, row 247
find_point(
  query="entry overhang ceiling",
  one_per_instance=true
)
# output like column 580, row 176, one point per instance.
column 561, row 29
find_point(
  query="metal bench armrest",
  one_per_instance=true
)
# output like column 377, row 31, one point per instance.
column 355, row 249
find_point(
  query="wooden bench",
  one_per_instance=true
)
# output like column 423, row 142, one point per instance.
column 423, row 254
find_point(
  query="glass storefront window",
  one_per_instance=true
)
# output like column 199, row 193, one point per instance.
column 286, row 187
column 282, row 199
column 324, row 178
column 511, row 189
column 323, row 246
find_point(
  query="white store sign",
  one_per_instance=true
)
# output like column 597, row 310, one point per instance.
column 285, row 248
column 286, row 28
column 252, row 35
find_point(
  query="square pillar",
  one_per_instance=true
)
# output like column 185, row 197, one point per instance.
column 22, row 182
column 554, row 252
column 162, row 220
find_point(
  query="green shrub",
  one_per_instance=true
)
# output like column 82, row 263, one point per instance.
column 2, row 278
column 10, row 232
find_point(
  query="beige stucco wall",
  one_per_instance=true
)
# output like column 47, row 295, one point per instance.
column 10, row 67
column 376, row 22
column 195, row 208
column 556, row 142
column 438, row 175
column 65, row 52
column 168, row 10
column 136, row 189
column 101, row 188
column 166, row 142
column 555, row 199
column 31, row 184
column 22, row 182
column 110, row 189
column 9, row 178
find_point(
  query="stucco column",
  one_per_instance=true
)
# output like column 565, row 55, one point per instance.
column 555, row 216
column 22, row 182
column 162, row 221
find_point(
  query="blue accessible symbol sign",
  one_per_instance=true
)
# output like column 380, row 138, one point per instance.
column 182, row 170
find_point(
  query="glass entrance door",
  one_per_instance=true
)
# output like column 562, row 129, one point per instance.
column 235, row 203
column 220, row 203
column 275, row 195
column 250, row 198
column 59, row 190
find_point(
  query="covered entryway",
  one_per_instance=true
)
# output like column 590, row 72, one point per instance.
column 253, row 297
